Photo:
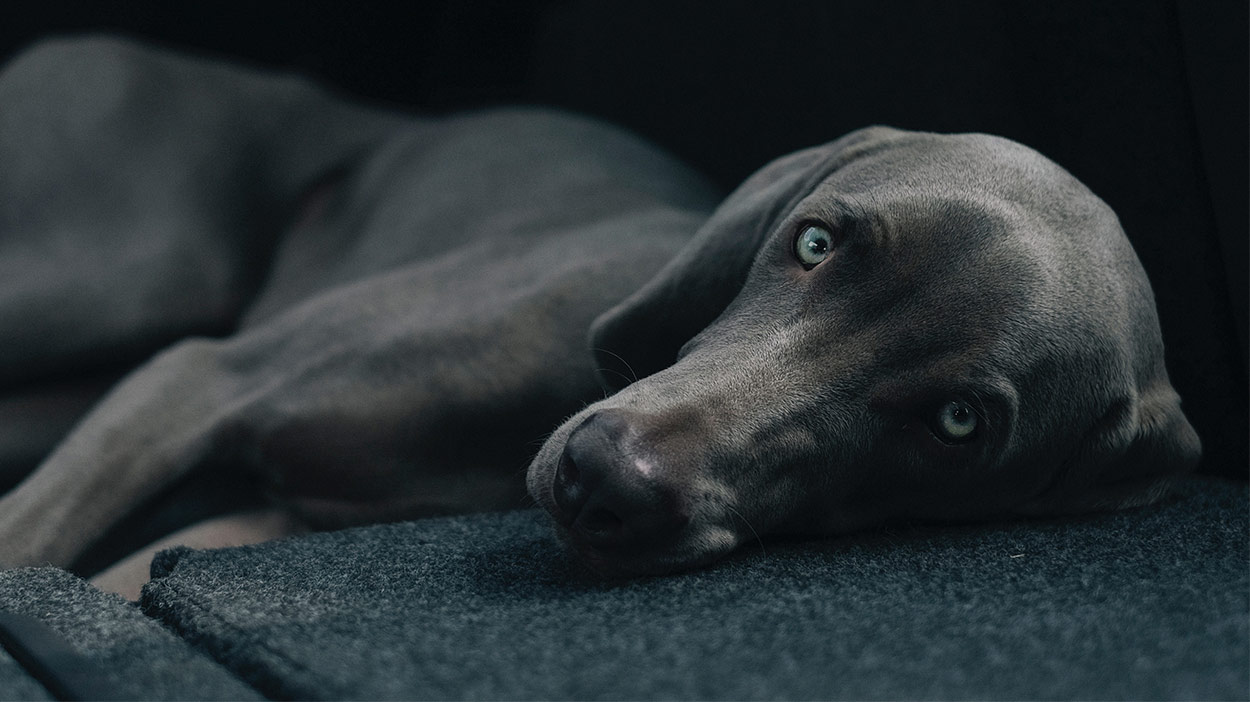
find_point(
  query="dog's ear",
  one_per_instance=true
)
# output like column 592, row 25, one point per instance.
column 643, row 334
column 1132, row 455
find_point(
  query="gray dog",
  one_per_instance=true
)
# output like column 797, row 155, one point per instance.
column 377, row 316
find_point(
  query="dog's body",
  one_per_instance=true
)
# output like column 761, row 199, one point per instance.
column 383, row 315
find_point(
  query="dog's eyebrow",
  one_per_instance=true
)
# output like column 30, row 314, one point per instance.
column 833, row 206
column 835, row 210
column 992, row 394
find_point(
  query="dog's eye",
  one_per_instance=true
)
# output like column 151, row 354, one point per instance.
column 813, row 245
column 955, row 422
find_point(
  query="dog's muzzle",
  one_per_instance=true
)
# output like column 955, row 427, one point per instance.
column 611, row 493
column 628, row 500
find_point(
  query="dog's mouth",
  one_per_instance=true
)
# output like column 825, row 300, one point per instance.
column 620, row 565
column 615, row 550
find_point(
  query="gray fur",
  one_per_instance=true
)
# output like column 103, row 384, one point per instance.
column 378, row 316
column 970, row 268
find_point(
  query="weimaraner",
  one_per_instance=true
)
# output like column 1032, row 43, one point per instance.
column 377, row 316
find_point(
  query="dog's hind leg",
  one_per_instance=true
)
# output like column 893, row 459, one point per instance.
column 34, row 419
column 151, row 430
column 141, row 197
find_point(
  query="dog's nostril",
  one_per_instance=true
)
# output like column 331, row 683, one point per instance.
column 568, row 491
column 600, row 521
column 610, row 488
column 567, row 473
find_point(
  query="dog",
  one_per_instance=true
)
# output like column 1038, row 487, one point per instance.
column 375, row 316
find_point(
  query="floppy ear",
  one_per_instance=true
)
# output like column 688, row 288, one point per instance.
column 643, row 334
column 1129, row 459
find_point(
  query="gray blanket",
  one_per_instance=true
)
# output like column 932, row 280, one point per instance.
column 1142, row 604
column 129, row 655
column 1145, row 604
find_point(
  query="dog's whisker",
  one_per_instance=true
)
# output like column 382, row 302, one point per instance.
column 977, row 396
column 633, row 376
column 542, row 439
column 758, row 540
column 613, row 371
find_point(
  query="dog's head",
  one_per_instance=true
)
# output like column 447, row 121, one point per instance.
column 892, row 326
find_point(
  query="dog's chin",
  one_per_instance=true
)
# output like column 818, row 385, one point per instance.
column 695, row 546
column 649, row 560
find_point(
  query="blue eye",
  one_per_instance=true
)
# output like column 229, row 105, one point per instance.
column 813, row 245
column 955, row 422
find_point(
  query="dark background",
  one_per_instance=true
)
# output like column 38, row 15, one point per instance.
column 1143, row 100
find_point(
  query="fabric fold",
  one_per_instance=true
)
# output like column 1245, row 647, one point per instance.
column 68, row 640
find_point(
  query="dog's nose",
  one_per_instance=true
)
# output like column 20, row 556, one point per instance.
column 610, row 487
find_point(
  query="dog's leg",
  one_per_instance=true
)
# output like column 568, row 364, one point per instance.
column 146, row 434
column 34, row 419
column 143, row 195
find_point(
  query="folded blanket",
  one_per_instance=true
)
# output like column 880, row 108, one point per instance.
column 109, row 649
column 15, row 684
column 1149, row 603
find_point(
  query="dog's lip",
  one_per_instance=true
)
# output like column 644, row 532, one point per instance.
column 651, row 559
column 610, row 563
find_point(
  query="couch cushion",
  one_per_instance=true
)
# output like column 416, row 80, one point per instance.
column 1149, row 603
column 105, row 647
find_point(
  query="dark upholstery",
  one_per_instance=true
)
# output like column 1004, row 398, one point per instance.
column 135, row 657
column 1143, row 604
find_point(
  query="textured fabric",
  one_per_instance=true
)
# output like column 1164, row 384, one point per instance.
column 1142, row 604
column 15, row 684
column 138, row 658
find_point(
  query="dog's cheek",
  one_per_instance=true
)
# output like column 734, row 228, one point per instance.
column 875, row 474
column 815, row 491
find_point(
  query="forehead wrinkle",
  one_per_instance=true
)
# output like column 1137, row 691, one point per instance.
column 831, row 205
column 970, row 241
column 889, row 219
column 968, row 366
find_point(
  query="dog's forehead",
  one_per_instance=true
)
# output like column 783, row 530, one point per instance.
column 960, row 241
column 979, row 170
column 978, row 242
column 917, row 225
column 971, row 201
